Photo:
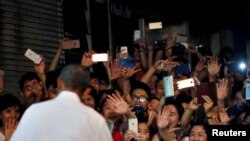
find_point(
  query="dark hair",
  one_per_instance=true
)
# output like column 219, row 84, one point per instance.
column 51, row 78
column 8, row 100
column 75, row 76
column 183, row 98
column 102, row 93
column 154, row 97
column 200, row 123
column 141, row 85
column 27, row 77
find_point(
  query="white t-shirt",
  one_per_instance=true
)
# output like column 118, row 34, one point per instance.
column 64, row 118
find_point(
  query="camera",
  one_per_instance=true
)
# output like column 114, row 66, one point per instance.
column 140, row 112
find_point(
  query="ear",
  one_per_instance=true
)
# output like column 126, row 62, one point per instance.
column 59, row 83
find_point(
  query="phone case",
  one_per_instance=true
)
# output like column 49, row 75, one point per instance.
column 236, row 109
column 168, row 86
column 133, row 124
column 137, row 35
column 33, row 56
column 185, row 83
column 127, row 62
column 185, row 68
column 247, row 91
column 100, row 57
column 209, row 89
column 70, row 44
column 165, row 67
column 124, row 50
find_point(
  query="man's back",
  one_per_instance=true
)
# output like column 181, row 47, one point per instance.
column 62, row 119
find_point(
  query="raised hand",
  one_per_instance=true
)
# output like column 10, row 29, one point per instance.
column 118, row 104
column 163, row 118
column 39, row 68
column 213, row 66
column 208, row 103
column 131, row 71
column 129, row 135
column 222, row 89
column 87, row 59
column 107, row 63
column 10, row 127
column 224, row 118
column 140, row 137
column 193, row 105
column 200, row 66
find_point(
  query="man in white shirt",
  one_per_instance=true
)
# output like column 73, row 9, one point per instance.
column 64, row 118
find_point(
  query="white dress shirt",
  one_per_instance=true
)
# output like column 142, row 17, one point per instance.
column 64, row 118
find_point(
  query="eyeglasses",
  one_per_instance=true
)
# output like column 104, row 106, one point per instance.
column 140, row 98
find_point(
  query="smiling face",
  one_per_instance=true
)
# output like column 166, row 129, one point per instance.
column 198, row 133
column 139, row 98
column 174, row 117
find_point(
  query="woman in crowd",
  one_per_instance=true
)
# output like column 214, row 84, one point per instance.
column 9, row 116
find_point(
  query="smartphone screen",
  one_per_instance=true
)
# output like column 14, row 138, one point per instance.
column 100, row 57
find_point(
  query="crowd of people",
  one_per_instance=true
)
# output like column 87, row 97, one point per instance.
column 73, row 104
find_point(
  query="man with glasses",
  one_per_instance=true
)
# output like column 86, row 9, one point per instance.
column 140, row 93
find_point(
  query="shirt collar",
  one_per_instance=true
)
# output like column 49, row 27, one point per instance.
column 69, row 96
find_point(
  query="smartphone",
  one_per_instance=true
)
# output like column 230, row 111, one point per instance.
column 165, row 67
column 209, row 89
column 168, row 86
column 185, row 83
column 133, row 124
column 247, row 95
column 127, row 62
column 124, row 50
column 137, row 35
column 185, row 68
column 155, row 25
column 70, row 44
column 99, row 57
column 33, row 56
column 159, row 43
column 181, row 38
column 236, row 109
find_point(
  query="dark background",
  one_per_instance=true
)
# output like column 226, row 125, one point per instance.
column 204, row 17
